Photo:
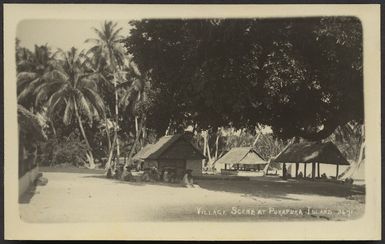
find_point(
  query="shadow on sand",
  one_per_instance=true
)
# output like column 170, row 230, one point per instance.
column 137, row 182
column 28, row 195
column 272, row 189
column 281, row 189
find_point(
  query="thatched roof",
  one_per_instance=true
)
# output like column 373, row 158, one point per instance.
column 312, row 152
column 241, row 155
column 169, row 147
column 143, row 153
column 29, row 125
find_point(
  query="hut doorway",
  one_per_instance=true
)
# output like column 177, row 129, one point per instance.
column 178, row 164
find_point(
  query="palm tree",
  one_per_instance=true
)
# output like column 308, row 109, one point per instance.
column 133, row 96
column 73, row 92
column 34, row 69
column 108, row 49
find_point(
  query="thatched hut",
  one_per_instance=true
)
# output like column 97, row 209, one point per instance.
column 244, row 158
column 175, row 152
column 314, row 153
column 30, row 134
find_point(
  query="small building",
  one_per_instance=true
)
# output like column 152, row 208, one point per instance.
column 175, row 152
column 30, row 134
column 241, row 158
column 313, row 153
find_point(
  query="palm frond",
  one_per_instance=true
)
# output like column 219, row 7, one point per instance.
column 83, row 105
column 28, row 89
column 95, row 100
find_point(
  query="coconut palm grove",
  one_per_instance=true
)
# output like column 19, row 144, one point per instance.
column 194, row 119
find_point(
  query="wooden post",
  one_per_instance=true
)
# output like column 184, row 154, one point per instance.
column 337, row 168
column 313, row 170
column 318, row 173
column 296, row 169
column 284, row 170
column 304, row 171
column 225, row 166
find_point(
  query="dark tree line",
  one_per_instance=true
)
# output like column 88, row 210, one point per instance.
column 303, row 77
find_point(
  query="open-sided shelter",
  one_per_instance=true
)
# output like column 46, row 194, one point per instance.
column 314, row 153
column 174, row 151
column 241, row 157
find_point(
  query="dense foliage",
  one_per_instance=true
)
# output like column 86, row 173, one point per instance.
column 302, row 77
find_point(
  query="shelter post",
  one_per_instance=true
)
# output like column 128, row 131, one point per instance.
column 337, row 168
column 318, row 171
column 304, row 170
column 296, row 169
column 313, row 170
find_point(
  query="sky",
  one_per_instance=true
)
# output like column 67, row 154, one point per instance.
column 65, row 34
column 62, row 34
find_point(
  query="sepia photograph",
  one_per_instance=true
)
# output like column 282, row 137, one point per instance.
column 249, row 119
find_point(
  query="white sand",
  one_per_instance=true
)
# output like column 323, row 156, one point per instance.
column 89, row 197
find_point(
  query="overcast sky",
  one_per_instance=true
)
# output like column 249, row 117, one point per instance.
column 61, row 33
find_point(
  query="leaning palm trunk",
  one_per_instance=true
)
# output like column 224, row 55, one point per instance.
column 53, row 127
column 110, row 165
column 107, row 134
column 265, row 170
column 136, row 141
column 349, row 172
column 89, row 154
column 116, row 124
column 110, row 154
column 216, row 147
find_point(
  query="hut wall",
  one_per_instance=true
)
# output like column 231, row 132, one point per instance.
column 219, row 167
column 28, row 169
column 179, row 165
column 28, row 179
column 195, row 166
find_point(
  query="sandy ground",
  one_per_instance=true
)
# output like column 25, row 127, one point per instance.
column 87, row 196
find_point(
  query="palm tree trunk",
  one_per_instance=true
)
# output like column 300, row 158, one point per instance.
column 116, row 122
column 53, row 127
column 204, row 143
column 107, row 134
column 137, row 137
column 218, row 132
column 356, row 164
column 136, row 141
column 168, row 128
column 144, row 134
column 208, row 149
column 110, row 154
column 90, row 155
column 256, row 140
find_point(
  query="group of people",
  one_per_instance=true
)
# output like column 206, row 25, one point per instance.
column 168, row 176
column 150, row 174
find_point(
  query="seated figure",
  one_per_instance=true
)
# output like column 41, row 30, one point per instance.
column 187, row 180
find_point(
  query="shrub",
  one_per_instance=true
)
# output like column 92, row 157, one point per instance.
column 70, row 152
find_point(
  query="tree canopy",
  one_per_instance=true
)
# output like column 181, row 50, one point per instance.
column 303, row 77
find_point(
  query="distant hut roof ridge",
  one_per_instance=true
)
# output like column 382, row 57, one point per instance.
column 241, row 155
column 155, row 151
